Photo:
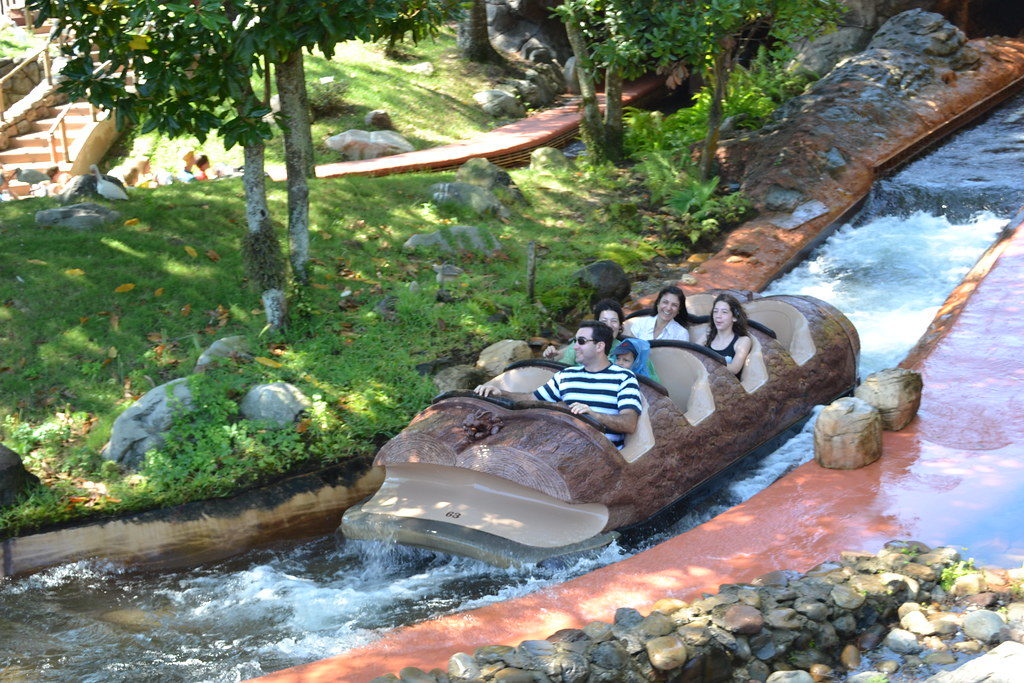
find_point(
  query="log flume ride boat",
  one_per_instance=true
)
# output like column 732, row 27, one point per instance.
column 514, row 483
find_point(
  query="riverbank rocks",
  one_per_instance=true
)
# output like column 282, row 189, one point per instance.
column 847, row 435
column 495, row 357
column 499, row 104
column 895, row 393
column 606, row 278
column 84, row 216
column 549, row 160
column 360, row 144
column 823, row 142
column 456, row 238
column 142, row 426
column 14, row 478
column 278, row 403
column 459, row 378
column 472, row 197
column 225, row 347
column 483, row 173
column 832, row 623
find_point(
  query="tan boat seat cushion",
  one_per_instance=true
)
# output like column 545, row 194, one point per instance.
column 686, row 379
column 790, row 326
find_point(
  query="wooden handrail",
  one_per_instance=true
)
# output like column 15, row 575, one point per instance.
column 51, row 131
column 45, row 51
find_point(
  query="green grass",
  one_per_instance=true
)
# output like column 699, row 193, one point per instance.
column 75, row 351
column 14, row 41
column 427, row 110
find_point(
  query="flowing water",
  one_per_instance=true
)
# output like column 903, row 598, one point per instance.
column 889, row 271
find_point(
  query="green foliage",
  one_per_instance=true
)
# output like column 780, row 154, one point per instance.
column 954, row 571
column 15, row 41
column 436, row 109
column 357, row 365
column 754, row 92
column 326, row 98
column 193, row 62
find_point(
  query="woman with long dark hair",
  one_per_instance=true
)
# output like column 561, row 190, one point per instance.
column 668, row 321
column 728, row 333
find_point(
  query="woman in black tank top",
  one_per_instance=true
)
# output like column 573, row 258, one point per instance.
column 728, row 334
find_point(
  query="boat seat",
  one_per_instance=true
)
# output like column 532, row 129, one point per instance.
column 686, row 379
column 790, row 326
column 642, row 440
column 525, row 376
column 755, row 372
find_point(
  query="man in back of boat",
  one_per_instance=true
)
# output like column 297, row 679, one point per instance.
column 596, row 388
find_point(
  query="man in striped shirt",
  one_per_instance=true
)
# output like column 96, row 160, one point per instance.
column 605, row 392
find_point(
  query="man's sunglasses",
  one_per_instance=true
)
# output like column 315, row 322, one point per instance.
column 580, row 340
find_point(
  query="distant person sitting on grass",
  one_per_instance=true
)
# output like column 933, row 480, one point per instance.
column 596, row 388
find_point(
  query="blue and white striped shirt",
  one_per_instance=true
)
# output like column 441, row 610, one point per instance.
column 610, row 391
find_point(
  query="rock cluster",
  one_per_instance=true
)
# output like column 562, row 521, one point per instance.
column 783, row 626
column 861, row 103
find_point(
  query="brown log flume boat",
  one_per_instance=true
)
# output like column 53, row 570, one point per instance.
column 519, row 482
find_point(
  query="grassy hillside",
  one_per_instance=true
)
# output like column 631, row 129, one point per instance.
column 91, row 320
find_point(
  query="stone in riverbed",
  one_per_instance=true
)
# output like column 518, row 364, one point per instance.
column 14, row 478
column 902, row 641
column 463, row 666
column 847, row 598
column 847, row 435
column 742, row 620
column 790, row 677
column 917, row 622
column 1003, row 663
column 895, row 393
column 850, row 657
column 984, row 626
column 666, row 652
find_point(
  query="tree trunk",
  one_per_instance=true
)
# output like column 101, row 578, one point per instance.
column 473, row 39
column 613, row 127
column 261, row 251
column 298, row 157
column 591, row 129
column 720, row 79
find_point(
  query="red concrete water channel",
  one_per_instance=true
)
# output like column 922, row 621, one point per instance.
column 955, row 475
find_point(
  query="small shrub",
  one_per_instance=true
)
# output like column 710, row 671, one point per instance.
column 954, row 571
column 327, row 98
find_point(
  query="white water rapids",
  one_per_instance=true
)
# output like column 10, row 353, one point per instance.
column 889, row 271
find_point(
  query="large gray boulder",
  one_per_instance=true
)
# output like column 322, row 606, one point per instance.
column 360, row 144
column 549, row 160
column 606, row 278
column 84, row 216
column 483, row 173
column 529, row 28
column 456, row 237
column 499, row 104
column 279, row 403
column 495, row 357
column 1002, row 664
column 143, row 426
column 225, row 347
column 853, row 32
column 14, row 478
column 482, row 201
column 929, row 36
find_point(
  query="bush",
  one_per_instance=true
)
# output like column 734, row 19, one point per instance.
column 327, row 98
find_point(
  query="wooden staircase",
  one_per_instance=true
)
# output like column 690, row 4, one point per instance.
column 46, row 144
column 56, row 140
